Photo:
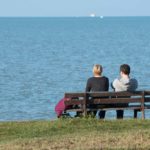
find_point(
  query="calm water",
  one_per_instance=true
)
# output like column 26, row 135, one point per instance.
column 41, row 58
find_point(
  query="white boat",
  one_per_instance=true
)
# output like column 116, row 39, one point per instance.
column 92, row 15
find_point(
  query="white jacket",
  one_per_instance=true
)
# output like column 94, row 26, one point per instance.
column 125, row 84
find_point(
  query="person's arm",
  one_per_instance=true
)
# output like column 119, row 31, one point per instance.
column 88, row 86
column 107, row 85
column 133, row 84
column 116, row 85
column 112, row 86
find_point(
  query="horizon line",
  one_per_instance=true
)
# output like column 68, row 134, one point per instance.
column 97, row 16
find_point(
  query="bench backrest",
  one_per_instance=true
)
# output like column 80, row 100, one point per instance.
column 107, row 97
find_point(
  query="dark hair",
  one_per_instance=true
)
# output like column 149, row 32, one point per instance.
column 125, row 68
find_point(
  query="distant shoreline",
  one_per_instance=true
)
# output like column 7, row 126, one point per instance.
column 74, row 17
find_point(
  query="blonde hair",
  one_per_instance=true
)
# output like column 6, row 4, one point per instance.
column 97, row 69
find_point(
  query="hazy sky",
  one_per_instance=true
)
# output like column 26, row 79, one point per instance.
column 74, row 7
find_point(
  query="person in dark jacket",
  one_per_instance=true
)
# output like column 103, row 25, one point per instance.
column 97, row 83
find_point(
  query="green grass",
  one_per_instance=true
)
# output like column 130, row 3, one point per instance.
column 84, row 133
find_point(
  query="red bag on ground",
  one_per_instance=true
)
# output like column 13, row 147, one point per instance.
column 60, row 107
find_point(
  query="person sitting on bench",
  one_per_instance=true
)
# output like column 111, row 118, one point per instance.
column 124, row 83
column 97, row 83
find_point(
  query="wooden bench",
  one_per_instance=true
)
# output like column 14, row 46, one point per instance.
column 137, row 101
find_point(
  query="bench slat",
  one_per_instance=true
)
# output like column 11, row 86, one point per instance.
column 147, row 92
column 114, row 100
column 105, row 94
column 147, row 99
column 117, row 108
column 72, row 95
column 74, row 102
column 111, row 108
column 74, row 110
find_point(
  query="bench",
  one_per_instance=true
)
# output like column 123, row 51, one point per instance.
column 137, row 101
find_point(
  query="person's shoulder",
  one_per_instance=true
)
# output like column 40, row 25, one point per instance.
column 90, row 79
column 106, row 78
column 133, row 81
column 133, row 84
column 116, row 82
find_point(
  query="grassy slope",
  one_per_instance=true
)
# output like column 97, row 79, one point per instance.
column 85, row 133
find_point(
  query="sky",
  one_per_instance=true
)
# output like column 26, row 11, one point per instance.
column 52, row 8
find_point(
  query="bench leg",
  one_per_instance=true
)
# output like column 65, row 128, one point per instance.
column 143, row 114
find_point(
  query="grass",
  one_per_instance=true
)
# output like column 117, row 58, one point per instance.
column 78, row 134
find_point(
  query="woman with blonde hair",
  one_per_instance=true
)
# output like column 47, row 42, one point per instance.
column 97, row 83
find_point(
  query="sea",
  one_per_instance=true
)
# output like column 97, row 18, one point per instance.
column 42, row 58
